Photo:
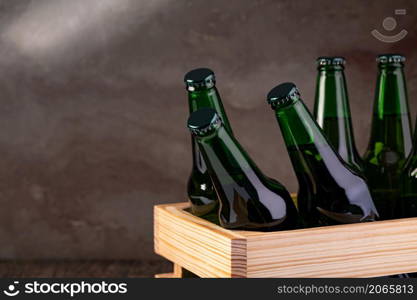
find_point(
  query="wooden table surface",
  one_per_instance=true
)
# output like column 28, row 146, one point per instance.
column 82, row 269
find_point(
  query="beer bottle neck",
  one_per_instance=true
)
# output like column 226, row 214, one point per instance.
column 199, row 164
column 332, row 112
column 298, row 126
column 208, row 98
column 391, row 124
column 331, row 95
column 391, row 92
column 200, row 99
column 226, row 157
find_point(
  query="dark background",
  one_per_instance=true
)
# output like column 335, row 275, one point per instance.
column 93, row 107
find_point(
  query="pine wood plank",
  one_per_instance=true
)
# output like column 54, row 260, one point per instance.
column 166, row 275
column 177, row 270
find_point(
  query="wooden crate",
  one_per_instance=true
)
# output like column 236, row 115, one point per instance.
column 176, row 273
column 355, row 250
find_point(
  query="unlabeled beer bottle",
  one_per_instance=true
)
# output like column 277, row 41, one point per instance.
column 248, row 199
column 330, row 192
column 408, row 184
column 202, row 92
column 332, row 111
column 391, row 137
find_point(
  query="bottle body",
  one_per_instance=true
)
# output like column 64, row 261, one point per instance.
column 200, row 189
column 408, row 185
column 248, row 199
column 332, row 111
column 330, row 192
column 391, row 139
column 407, row 207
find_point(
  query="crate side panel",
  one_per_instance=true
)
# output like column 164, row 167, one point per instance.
column 195, row 244
column 356, row 250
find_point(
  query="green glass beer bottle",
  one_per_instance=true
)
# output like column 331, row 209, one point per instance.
column 330, row 192
column 391, row 137
column 202, row 92
column 332, row 111
column 408, row 185
column 248, row 199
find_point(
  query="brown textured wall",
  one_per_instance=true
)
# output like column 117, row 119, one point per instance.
column 93, row 108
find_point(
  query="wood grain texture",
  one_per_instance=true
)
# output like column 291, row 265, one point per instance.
column 354, row 250
column 177, row 271
column 197, row 245
column 166, row 275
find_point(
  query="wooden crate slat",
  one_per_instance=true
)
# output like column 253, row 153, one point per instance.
column 335, row 251
column 166, row 275
column 177, row 270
